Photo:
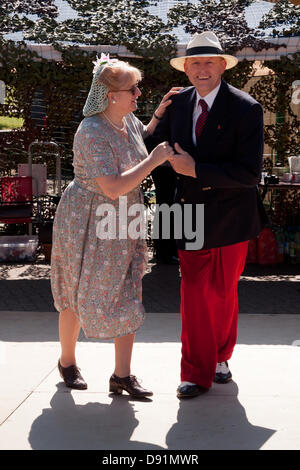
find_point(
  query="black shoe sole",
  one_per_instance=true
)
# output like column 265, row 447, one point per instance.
column 189, row 396
column 76, row 388
column 119, row 391
column 192, row 395
column 222, row 381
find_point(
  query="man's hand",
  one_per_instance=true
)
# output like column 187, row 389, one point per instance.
column 182, row 162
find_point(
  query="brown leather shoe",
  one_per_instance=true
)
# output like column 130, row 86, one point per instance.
column 72, row 377
column 130, row 384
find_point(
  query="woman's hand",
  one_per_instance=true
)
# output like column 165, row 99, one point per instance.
column 159, row 112
column 166, row 101
column 161, row 153
column 114, row 186
column 182, row 162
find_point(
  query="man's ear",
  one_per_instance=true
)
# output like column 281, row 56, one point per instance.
column 185, row 66
column 224, row 64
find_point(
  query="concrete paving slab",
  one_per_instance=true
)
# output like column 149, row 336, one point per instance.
column 262, row 289
column 259, row 409
column 86, row 420
column 38, row 327
column 255, row 368
column 26, row 365
column 81, row 420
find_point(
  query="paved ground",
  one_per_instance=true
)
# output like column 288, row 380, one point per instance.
column 262, row 289
column 259, row 409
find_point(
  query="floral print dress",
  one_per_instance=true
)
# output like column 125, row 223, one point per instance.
column 99, row 279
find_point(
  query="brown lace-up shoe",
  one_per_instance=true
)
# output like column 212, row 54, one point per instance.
column 130, row 384
column 72, row 377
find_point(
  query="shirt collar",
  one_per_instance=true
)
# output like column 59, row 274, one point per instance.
column 210, row 98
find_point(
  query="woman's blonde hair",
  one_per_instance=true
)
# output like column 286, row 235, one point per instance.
column 114, row 76
column 119, row 75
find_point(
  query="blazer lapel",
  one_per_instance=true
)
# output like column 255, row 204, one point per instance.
column 186, row 121
column 215, row 118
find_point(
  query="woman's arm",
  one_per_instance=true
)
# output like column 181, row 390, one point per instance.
column 159, row 112
column 114, row 186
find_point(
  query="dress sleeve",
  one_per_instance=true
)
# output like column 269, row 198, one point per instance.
column 98, row 157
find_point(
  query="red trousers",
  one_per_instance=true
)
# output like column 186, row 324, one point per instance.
column 209, row 309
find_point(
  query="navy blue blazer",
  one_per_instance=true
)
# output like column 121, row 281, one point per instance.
column 228, row 164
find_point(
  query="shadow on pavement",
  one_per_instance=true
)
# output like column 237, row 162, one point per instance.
column 216, row 423
column 206, row 422
column 161, row 289
column 262, row 289
column 159, row 328
column 93, row 426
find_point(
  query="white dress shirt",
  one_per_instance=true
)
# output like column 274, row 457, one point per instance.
column 209, row 99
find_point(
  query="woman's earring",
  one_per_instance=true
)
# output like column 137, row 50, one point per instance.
column 113, row 101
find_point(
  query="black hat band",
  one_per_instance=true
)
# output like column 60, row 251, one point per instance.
column 204, row 50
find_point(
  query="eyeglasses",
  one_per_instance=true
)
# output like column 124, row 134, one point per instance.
column 132, row 89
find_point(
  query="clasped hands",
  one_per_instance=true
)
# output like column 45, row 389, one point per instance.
column 182, row 162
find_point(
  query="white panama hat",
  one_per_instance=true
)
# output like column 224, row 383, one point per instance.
column 205, row 44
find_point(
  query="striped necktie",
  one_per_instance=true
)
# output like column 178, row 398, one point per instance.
column 201, row 119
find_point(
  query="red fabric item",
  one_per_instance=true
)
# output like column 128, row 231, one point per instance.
column 209, row 309
column 267, row 248
column 18, row 190
column 252, row 251
column 201, row 119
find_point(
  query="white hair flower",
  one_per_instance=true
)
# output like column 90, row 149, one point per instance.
column 104, row 59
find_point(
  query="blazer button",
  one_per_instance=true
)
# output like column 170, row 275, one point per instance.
column 182, row 199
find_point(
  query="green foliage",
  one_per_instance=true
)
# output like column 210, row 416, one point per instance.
column 36, row 7
column 239, row 75
column 125, row 22
column 283, row 14
column 12, row 13
column 128, row 23
column 274, row 92
column 225, row 17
